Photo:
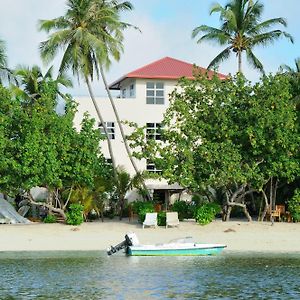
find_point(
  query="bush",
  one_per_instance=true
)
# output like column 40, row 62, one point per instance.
column 161, row 218
column 50, row 219
column 75, row 214
column 141, row 208
column 294, row 206
column 182, row 208
column 207, row 212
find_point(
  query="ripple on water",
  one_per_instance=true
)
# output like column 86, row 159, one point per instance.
column 93, row 275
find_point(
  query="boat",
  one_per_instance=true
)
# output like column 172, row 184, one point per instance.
column 179, row 247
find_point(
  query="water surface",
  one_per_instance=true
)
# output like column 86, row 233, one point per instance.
column 93, row 275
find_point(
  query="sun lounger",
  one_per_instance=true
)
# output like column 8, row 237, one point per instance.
column 150, row 220
column 172, row 219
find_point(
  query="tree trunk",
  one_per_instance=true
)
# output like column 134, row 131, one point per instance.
column 121, row 128
column 240, row 62
column 49, row 206
column 238, row 195
column 228, row 212
column 121, row 207
column 247, row 213
column 102, row 123
column 266, row 205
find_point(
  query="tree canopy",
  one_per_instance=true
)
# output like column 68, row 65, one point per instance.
column 226, row 134
column 41, row 148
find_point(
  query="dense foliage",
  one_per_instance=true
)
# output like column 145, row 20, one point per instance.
column 227, row 135
column 141, row 208
column 185, row 209
column 50, row 219
column 75, row 214
column 40, row 147
column 207, row 213
column 294, row 206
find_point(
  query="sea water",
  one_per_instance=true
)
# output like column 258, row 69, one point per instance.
column 94, row 275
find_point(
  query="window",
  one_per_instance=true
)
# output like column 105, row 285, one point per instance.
column 131, row 91
column 123, row 93
column 110, row 127
column 151, row 168
column 155, row 93
column 153, row 131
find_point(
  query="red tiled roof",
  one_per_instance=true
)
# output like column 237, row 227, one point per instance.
column 165, row 68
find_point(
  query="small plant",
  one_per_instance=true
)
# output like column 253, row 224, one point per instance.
column 75, row 214
column 141, row 208
column 161, row 218
column 206, row 213
column 50, row 219
column 294, row 206
column 182, row 208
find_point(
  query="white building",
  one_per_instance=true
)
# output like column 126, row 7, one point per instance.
column 143, row 99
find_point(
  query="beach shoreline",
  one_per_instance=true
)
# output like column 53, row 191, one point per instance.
column 238, row 235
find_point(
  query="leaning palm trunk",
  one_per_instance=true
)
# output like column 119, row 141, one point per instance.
column 102, row 122
column 121, row 129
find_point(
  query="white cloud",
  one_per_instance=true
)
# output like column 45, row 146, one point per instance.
column 161, row 36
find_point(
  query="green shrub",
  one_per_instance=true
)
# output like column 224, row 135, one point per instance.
column 161, row 218
column 141, row 208
column 182, row 208
column 50, row 219
column 294, row 206
column 75, row 214
column 207, row 212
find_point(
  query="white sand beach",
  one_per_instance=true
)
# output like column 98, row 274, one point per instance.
column 237, row 235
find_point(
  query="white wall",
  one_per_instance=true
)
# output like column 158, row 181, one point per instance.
column 130, row 109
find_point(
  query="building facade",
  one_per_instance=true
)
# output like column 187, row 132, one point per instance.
column 143, row 99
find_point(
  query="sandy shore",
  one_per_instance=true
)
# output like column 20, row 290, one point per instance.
column 237, row 235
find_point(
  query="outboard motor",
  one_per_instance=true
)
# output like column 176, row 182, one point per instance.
column 130, row 240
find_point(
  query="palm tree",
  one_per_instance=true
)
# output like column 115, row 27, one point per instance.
column 90, row 33
column 241, row 30
column 124, row 183
column 5, row 73
column 294, row 77
column 31, row 81
column 292, row 70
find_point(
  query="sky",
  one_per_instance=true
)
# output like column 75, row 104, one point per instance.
column 165, row 26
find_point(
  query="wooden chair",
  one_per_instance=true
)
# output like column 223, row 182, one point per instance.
column 273, row 214
column 276, row 215
column 131, row 214
column 278, row 212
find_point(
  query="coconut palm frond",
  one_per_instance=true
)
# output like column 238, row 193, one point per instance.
column 219, row 58
column 254, row 61
column 241, row 29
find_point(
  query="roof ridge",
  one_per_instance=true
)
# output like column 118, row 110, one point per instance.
column 148, row 65
column 166, row 67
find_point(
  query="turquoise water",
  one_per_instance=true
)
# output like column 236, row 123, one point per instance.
column 93, row 275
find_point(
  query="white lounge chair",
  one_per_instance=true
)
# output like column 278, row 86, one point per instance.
column 150, row 220
column 172, row 219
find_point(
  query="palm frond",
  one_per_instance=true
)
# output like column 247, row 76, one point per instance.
column 254, row 61
column 215, row 8
column 269, row 37
column 54, row 24
column 210, row 31
column 3, row 57
column 219, row 58
column 263, row 26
